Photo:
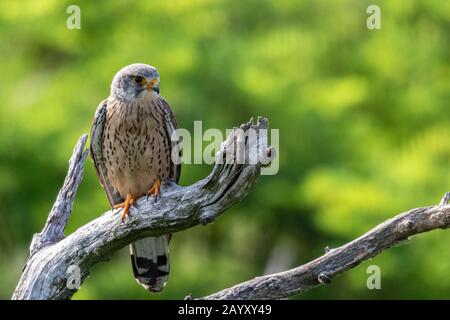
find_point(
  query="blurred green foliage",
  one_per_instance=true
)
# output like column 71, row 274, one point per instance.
column 363, row 118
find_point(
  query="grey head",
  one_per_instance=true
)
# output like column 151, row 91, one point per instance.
column 135, row 81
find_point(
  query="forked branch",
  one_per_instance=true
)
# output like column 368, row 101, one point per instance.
column 178, row 208
column 51, row 254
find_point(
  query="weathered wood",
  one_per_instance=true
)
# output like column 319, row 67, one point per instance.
column 336, row 261
column 178, row 208
column 59, row 215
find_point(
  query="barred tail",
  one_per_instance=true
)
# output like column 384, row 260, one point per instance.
column 150, row 261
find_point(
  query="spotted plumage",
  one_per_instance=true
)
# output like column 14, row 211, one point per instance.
column 136, row 144
column 132, row 151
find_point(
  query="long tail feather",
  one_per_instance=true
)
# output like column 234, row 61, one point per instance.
column 150, row 261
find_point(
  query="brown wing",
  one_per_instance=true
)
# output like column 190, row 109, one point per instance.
column 96, row 152
column 171, row 125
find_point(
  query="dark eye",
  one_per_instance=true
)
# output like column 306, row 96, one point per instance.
column 139, row 79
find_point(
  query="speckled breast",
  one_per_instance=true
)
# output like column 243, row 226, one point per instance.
column 136, row 146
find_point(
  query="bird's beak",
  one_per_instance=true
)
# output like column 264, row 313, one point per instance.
column 153, row 85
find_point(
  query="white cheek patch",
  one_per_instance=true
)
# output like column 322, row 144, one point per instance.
column 131, row 92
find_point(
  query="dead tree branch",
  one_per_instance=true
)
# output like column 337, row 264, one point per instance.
column 51, row 254
column 178, row 208
column 335, row 261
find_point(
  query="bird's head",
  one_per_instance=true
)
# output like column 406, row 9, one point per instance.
column 135, row 81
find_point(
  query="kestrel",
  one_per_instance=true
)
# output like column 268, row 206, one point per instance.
column 131, row 147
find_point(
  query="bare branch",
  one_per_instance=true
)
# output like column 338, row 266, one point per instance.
column 178, row 208
column 445, row 199
column 60, row 213
column 338, row 260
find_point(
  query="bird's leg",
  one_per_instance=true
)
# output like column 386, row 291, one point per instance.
column 154, row 190
column 125, row 205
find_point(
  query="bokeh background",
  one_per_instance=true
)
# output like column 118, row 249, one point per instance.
column 363, row 116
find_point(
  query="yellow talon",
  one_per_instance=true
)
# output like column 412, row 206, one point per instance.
column 125, row 205
column 154, row 190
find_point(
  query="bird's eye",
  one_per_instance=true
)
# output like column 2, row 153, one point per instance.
column 138, row 79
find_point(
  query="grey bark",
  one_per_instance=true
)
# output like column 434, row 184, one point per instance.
column 335, row 261
column 53, row 257
column 45, row 275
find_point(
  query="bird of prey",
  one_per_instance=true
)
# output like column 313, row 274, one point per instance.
column 131, row 147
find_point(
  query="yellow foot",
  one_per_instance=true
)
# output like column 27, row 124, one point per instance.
column 154, row 190
column 125, row 205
